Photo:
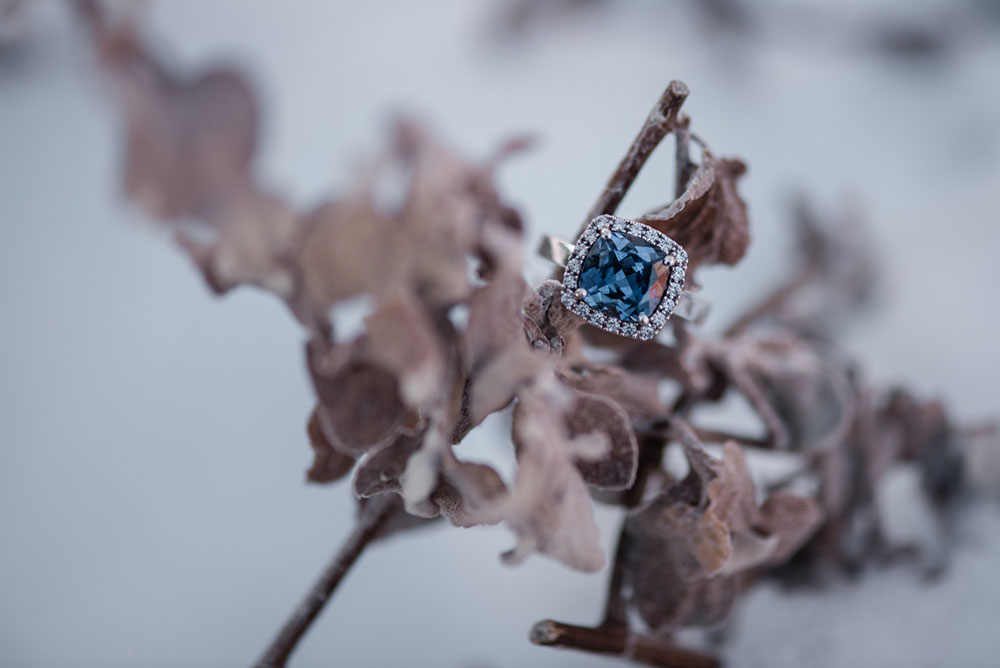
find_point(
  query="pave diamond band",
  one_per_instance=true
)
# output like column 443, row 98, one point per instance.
column 624, row 277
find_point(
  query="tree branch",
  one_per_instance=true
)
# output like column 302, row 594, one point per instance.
column 374, row 516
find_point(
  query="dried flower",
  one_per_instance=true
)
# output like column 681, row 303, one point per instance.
column 453, row 333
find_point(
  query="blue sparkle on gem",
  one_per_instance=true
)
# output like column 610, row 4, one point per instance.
column 624, row 276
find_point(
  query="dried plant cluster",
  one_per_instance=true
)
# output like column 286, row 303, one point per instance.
column 454, row 334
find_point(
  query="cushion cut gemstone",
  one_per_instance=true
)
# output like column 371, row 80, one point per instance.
column 624, row 276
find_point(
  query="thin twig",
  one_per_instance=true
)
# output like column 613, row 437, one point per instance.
column 620, row 642
column 771, row 303
column 659, row 123
column 650, row 457
column 374, row 516
column 684, row 169
column 615, row 608
column 721, row 436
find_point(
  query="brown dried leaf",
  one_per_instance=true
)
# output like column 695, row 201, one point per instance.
column 731, row 493
column 253, row 234
column 637, row 394
column 382, row 470
column 594, row 414
column 329, row 465
column 710, row 218
column 549, row 508
column 689, row 544
column 335, row 255
column 360, row 407
column 495, row 320
column 496, row 383
column 675, row 550
column 468, row 494
column 450, row 218
column 498, row 357
column 190, row 141
column 791, row 519
column 401, row 338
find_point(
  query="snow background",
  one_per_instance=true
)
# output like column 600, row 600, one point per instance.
column 152, row 448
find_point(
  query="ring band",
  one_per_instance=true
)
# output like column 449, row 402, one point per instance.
column 624, row 277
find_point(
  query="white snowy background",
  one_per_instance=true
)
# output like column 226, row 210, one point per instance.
column 153, row 510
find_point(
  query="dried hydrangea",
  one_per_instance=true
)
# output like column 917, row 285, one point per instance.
column 452, row 333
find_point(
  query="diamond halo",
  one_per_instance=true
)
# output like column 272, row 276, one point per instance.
column 645, row 327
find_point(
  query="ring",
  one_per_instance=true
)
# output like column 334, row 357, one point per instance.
column 624, row 277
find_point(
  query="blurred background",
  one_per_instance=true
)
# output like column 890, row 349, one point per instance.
column 153, row 510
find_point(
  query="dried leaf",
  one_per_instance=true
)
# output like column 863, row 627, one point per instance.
column 637, row 394
column 710, row 218
column 468, row 494
column 791, row 519
column 382, row 470
column 688, row 546
column 360, row 407
column 676, row 549
column 498, row 357
column 190, row 141
column 329, row 465
column 335, row 257
column 550, row 509
column 251, row 237
column 593, row 414
column 731, row 494
column 401, row 338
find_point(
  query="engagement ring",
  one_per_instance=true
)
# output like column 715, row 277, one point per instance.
column 624, row 277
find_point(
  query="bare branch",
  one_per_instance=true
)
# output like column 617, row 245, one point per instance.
column 374, row 516
column 619, row 642
column 661, row 120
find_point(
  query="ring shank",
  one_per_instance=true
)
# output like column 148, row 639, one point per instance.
column 555, row 250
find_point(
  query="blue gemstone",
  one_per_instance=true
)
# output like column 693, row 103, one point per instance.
column 624, row 276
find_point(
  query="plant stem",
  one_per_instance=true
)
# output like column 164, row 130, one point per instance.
column 719, row 436
column 659, row 123
column 770, row 304
column 643, row 649
column 374, row 516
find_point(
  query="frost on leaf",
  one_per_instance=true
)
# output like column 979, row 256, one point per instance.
column 498, row 358
column 615, row 468
column 565, row 440
column 550, row 509
column 467, row 494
